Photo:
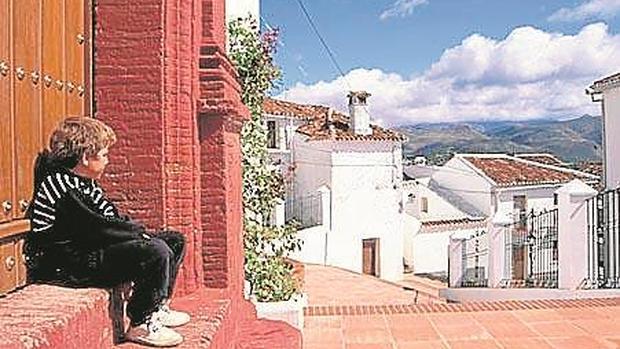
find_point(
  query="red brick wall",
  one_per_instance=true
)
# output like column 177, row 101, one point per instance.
column 146, row 85
column 163, row 81
column 128, row 96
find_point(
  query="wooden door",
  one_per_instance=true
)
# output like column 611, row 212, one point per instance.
column 6, row 133
column 45, row 75
column 370, row 256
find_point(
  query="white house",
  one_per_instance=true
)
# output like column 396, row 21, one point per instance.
column 607, row 91
column 359, row 166
column 500, row 182
column 433, row 216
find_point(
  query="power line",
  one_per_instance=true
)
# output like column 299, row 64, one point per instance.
column 323, row 42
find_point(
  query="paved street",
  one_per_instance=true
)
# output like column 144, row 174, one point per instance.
column 352, row 311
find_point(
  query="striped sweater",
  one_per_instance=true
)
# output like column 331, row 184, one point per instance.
column 54, row 187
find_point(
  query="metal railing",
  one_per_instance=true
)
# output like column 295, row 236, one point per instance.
column 532, row 251
column 306, row 210
column 476, row 260
column 603, row 215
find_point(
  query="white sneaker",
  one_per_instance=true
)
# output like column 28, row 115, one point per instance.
column 153, row 333
column 171, row 318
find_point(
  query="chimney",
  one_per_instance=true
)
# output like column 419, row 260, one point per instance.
column 330, row 122
column 358, row 110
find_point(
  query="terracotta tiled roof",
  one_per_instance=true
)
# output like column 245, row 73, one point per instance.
column 294, row 110
column 317, row 127
column 547, row 159
column 605, row 83
column 595, row 168
column 443, row 225
column 508, row 171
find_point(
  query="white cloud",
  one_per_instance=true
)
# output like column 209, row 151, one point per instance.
column 528, row 74
column 587, row 10
column 402, row 8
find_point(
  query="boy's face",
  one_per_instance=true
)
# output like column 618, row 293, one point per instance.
column 95, row 165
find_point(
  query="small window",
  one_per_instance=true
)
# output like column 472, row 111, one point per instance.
column 555, row 199
column 271, row 134
column 425, row 205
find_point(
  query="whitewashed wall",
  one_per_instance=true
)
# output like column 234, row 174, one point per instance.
column 463, row 181
column 366, row 201
column 313, row 165
column 437, row 244
column 611, row 113
column 538, row 198
column 438, row 207
column 313, row 248
column 241, row 8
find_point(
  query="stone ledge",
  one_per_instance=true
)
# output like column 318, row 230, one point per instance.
column 44, row 316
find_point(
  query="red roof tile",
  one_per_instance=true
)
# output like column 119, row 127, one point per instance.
column 547, row 159
column 602, row 84
column 508, row 171
column 451, row 224
column 317, row 127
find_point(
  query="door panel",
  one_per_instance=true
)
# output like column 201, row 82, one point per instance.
column 8, row 266
column 52, row 66
column 27, row 123
column 75, row 40
column 6, row 133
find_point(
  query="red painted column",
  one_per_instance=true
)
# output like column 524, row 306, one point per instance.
column 221, row 117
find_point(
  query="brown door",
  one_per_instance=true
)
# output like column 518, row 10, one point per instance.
column 45, row 74
column 6, row 133
column 370, row 257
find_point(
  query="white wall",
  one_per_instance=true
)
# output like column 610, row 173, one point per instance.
column 611, row 114
column 430, row 250
column 241, row 8
column 313, row 248
column 313, row 165
column 463, row 181
column 539, row 199
column 438, row 207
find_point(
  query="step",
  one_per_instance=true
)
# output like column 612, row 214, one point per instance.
column 267, row 334
column 427, row 289
column 43, row 316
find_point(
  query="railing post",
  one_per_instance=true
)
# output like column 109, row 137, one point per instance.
column 498, row 229
column 455, row 255
column 325, row 194
column 572, row 233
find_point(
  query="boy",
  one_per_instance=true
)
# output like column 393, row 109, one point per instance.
column 78, row 238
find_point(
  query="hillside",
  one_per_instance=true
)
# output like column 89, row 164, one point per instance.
column 572, row 140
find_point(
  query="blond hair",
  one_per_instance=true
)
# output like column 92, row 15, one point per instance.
column 77, row 136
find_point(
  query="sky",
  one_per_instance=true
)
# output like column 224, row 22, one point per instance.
column 448, row 60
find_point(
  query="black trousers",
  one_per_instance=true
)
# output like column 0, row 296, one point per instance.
column 151, row 264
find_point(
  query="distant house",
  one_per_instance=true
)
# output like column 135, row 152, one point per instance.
column 360, row 165
column 500, row 182
column 434, row 215
column 607, row 91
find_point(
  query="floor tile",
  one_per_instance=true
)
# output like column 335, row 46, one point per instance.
column 579, row 342
column 524, row 343
column 473, row 344
column 421, row 345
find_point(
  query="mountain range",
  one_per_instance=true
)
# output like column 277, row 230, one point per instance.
column 572, row 140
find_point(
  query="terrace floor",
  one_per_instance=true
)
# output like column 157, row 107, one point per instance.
column 351, row 311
